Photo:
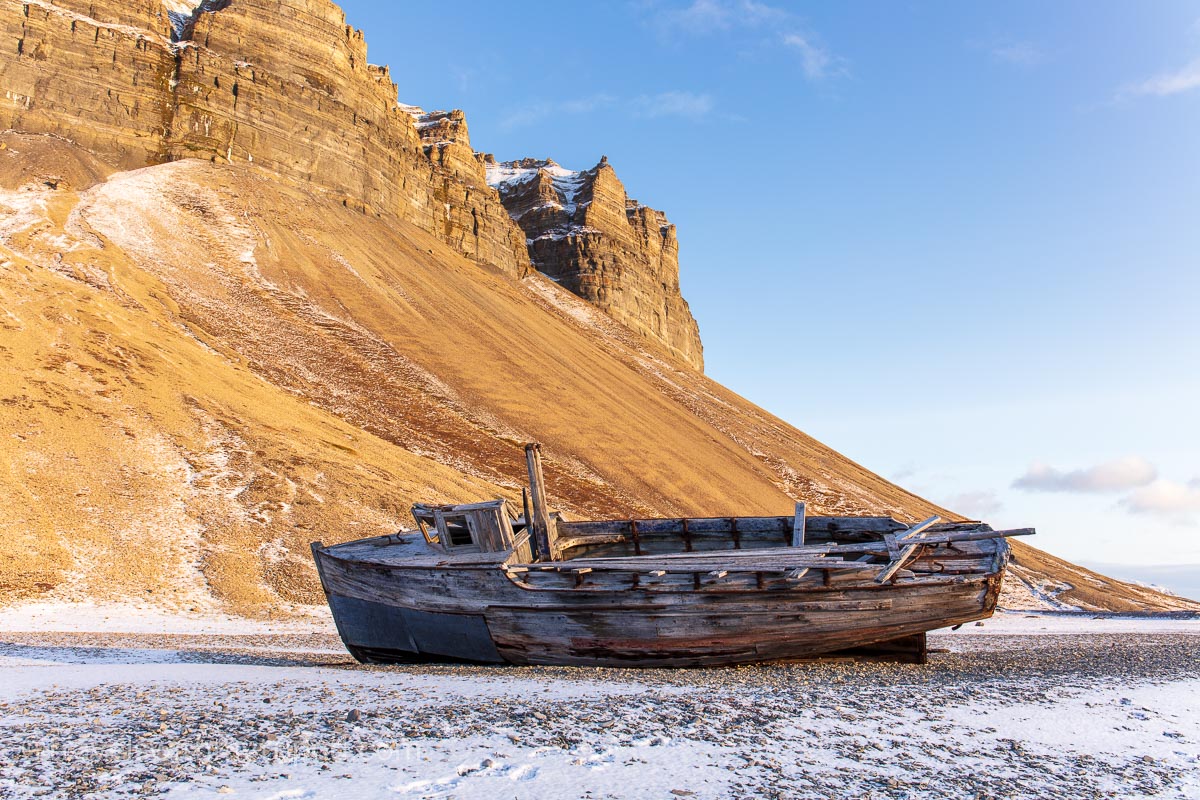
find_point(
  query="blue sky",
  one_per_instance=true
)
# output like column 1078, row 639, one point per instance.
column 958, row 242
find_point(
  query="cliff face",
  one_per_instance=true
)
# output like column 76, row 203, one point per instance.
column 585, row 232
column 284, row 84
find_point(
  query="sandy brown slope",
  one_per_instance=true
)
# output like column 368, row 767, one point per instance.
column 1042, row 581
column 204, row 368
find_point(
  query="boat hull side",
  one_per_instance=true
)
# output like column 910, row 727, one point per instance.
column 382, row 632
column 732, row 630
column 411, row 614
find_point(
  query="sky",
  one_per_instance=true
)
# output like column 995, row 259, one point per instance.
column 957, row 242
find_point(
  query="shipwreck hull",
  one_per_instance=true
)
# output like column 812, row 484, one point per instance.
column 482, row 613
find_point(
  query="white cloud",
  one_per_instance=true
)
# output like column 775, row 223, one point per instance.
column 816, row 61
column 521, row 117
column 709, row 16
column 663, row 104
column 763, row 25
column 1113, row 476
column 673, row 104
column 586, row 105
column 755, row 14
column 702, row 16
column 1023, row 54
column 978, row 505
column 1165, row 497
column 1167, row 83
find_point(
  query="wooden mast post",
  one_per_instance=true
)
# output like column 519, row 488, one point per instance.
column 545, row 533
column 798, row 526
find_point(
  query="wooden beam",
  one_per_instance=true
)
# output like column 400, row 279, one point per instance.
column 914, row 535
column 919, row 528
column 529, row 518
column 798, row 525
column 893, row 548
column 542, row 524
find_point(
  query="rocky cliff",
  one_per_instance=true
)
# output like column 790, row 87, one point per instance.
column 585, row 232
column 284, row 84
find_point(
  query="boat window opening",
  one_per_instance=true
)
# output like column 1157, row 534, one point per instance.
column 427, row 525
column 458, row 532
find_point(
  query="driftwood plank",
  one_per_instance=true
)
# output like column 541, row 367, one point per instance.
column 892, row 547
column 798, row 525
column 914, row 535
column 919, row 528
column 544, row 532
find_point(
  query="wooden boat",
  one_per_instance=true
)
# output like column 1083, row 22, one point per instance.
column 476, row 583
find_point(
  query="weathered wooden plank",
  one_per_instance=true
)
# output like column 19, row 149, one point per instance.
column 768, row 555
column 919, row 528
column 893, row 547
column 699, row 525
column 798, row 525
column 934, row 538
column 888, row 572
column 544, row 531
column 914, row 535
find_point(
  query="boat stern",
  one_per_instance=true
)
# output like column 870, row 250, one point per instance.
column 378, row 631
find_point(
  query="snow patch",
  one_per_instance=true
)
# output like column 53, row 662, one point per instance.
column 567, row 183
column 184, row 13
column 145, row 617
column 22, row 209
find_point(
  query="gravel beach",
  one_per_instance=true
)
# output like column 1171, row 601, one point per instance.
column 1005, row 715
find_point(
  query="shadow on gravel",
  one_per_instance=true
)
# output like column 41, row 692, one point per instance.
column 994, row 658
column 129, row 655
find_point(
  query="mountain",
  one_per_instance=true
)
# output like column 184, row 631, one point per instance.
column 587, row 234
column 250, row 300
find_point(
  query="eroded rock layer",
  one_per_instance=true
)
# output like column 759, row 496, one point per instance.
column 584, row 231
column 284, row 84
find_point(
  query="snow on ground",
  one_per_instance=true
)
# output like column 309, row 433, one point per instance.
column 79, row 617
column 1027, row 623
column 183, row 708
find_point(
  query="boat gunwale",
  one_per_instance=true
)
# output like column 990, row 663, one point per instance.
column 706, row 589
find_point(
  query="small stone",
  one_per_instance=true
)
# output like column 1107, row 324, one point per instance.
column 354, row 715
column 540, row 716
